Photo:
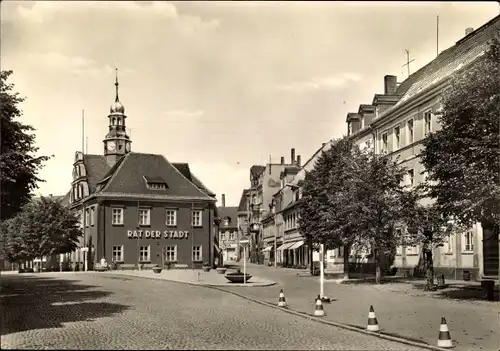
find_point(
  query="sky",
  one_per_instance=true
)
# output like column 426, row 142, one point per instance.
column 220, row 85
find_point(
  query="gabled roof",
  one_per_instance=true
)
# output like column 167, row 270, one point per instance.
column 256, row 170
column 231, row 213
column 385, row 99
column 351, row 116
column 464, row 52
column 243, row 206
column 186, row 172
column 366, row 108
column 127, row 177
column 96, row 168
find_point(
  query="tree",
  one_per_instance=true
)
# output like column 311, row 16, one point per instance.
column 329, row 206
column 41, row 228
column 424, row 225
column 18, row 164
column 462, row 158
column 379, row 192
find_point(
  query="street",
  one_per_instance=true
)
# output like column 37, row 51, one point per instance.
column 401, row 309
column 98, row 311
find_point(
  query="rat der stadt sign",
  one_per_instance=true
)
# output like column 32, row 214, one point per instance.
column 156, row 234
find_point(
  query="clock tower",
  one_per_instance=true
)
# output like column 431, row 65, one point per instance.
column 117, row 143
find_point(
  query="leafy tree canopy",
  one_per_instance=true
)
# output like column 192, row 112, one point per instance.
column 462, row 158
column 18, row 164
column 43, row 227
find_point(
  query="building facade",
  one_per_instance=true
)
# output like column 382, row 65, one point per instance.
column 265, row 181
column 139, row 209
column 403, row 116
column 228, row 231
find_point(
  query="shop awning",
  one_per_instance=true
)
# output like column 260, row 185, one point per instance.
column 285, row 246
column 296, row 245
column 268, row 248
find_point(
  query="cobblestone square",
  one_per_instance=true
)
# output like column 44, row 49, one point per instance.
column 93, row 311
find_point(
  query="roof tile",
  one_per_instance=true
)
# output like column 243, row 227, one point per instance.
column 129, row 176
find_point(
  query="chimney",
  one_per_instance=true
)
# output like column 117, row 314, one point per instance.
column 390, row 85
column 468, row 31
column 50, row 195
column 282, row 160
column 298, row 160
column 223, row 200
column 293, row 156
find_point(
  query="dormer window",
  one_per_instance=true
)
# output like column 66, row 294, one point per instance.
column 349, row 128
column 155, row 183
column 227, row 221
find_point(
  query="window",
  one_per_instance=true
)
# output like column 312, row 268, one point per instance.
column 144, row 216
column 157, row 186
column 117, row 216
column 385, row 145
column 87, row 217
column 427, row 122
column 197, row 253
column 92, row 216
column 399, row 234
column 409, row 131
column 171, row 219
column 171, row 254
column 117, row 254
column 469, row 245
column 222, row 236
column 362, row 122
column 226, row 221
column 448, row 245
column 196, row 218
column 231, row 236
column 144, row 254
column 411, row 177
column 397, row 137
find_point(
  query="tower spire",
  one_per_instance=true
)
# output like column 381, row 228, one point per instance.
column 116, row 84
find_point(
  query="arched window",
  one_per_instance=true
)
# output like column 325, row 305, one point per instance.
column 114, row 121
column 119, row 121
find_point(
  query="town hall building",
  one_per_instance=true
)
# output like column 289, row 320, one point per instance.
column 139, row 209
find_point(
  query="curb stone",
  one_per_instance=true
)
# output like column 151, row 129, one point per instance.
column 357, row 329
column 354, row 328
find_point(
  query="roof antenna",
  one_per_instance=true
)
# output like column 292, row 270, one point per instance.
column 437, row 36
column 408, row 61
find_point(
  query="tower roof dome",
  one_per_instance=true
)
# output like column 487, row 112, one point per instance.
column 117, row 106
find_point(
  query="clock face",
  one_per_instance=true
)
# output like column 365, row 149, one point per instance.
column 111, row 145
column 127, row 147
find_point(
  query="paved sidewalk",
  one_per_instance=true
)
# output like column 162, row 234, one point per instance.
column 401, row 309
column 196, row 277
